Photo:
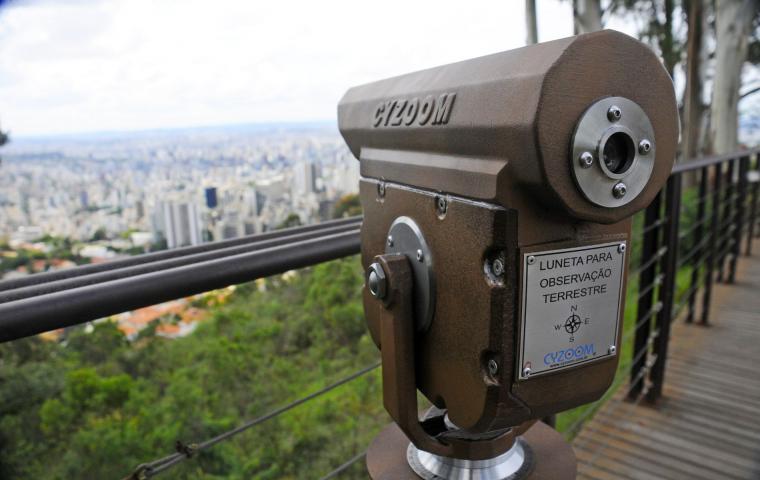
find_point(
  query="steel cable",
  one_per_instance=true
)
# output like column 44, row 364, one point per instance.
column 623, row 376
column 185, row 451
column 345, row 466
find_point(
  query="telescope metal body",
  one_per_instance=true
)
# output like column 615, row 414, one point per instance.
column 503, row 168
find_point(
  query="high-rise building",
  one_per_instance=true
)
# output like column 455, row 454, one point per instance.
column 211, row 199
column 305, row 174
column 179, row 223
column 254, row 201
column 140, row 208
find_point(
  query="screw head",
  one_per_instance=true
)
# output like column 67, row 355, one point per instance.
column 586, row 160
column 612, row 350
column 493, row 367
column 619, row 190
column 420, row 255
column 621, row 248
column 389, row 241
column 614, row 113
column 498, row 267
column 645, row 146
column 526, row 372
column 381, row 189
column 376, row 281
column 441, row 205
column 531, row 260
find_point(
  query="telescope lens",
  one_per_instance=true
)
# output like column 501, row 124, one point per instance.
column 619, row 152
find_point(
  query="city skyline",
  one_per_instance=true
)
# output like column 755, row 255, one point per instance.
column 108, row 188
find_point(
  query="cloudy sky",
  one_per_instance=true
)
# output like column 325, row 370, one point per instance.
column 86, row 65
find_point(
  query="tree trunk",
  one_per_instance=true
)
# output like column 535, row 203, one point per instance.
column 587, row 16
column 733, row 19
column 692, row 104
column 670, row 55
column 531, row 25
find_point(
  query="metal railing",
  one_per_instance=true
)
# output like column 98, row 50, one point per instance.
column 688, row 242
column 724, row 210
column 49, row 301
column 690, row 238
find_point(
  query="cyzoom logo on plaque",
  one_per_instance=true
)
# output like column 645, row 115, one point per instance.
column 570, row 306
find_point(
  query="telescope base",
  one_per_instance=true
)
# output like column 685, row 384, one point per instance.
column 551, row 458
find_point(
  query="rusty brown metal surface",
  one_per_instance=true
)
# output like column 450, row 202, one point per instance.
column 450, row 355
column 476, row 315
column 562, row 390
column 499, row 127
column 399, row 379
column 477, row 155
column 553, row 457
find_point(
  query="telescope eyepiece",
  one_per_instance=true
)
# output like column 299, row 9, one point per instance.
column 619, row 152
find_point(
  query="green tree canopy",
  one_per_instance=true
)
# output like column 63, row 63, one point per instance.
column 347, row 206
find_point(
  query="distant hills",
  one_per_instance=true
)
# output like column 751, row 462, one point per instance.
column 235, row 129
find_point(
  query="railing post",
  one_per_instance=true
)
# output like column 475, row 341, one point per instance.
column 753, row 205
column 727, row 222
column 712, row 245
column 667, row 291
column 650, row 246
column 698, row 254
column 740, row 212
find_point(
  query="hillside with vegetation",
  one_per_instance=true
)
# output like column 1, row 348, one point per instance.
column 97, row 405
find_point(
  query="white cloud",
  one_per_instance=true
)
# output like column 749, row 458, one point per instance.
column 134, row 64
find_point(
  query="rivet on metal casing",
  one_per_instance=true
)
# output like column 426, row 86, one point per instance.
column 621, row 248
column 441, row 205
column 586, row 160
column 526, row 372
column 376, row 281
column 645, row 146
column 498, row 267
column 612, row 350
column 389, row 241
column 531, row 260
column 619, row 190
column 614, row 113
column 381, row 189
column 420, row 255
column 493, row 367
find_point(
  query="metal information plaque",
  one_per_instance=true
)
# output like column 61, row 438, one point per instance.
column 570, row 306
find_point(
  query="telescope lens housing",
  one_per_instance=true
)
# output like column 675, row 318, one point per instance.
column 613, row 156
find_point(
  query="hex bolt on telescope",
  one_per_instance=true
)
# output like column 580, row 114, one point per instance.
column 497, row 195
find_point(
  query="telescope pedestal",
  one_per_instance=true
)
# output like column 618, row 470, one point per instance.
column 550, row 457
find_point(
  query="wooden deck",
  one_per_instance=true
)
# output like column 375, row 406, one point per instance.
column 707, row 425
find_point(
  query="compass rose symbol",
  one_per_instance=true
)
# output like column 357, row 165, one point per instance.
column 573, row 324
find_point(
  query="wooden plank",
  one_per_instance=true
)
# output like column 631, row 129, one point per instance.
column 629, row 460
column 708, row 424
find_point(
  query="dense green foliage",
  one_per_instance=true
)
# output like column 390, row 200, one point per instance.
column 348, row 206
column 292, row 220
column 97, row 405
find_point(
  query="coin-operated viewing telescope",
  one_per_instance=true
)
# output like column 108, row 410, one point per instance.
column 498, row 194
